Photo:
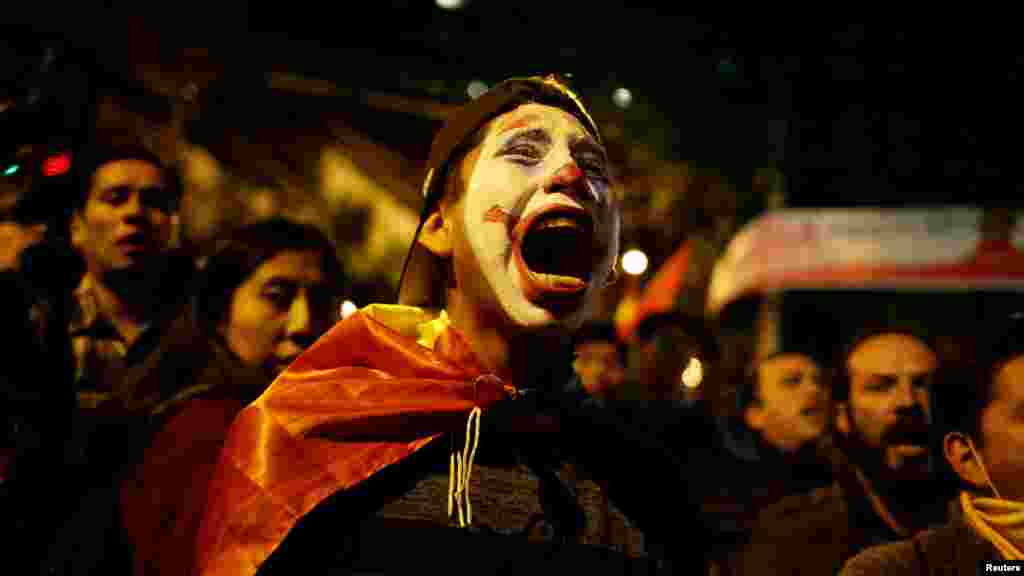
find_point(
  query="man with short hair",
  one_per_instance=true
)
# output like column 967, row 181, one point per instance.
column 772, row 446
column 363, row 453
column 129, row 337
column 985, row 449
column 786, row 401
column 881, row 494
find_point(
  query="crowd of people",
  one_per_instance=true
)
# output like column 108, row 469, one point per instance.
column 176, row 418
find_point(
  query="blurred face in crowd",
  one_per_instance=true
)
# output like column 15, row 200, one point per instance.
column 279, row 310
column 889, row 408
column 1001, row 443
column 128, row 217
column 534, row 232
column 599, row 366
column 791, row 404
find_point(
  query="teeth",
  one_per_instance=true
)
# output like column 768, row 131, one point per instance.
column 558, row 222
column 910, row 449
column 560, row 282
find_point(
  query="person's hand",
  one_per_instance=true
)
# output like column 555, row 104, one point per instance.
column 14, row 239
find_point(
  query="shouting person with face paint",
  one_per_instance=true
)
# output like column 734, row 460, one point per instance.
column 984, row 447
column 427, row 434
column 884, row 489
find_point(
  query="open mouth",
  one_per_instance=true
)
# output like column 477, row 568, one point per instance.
column 910, row 450
column 555, row 252
column 136, row 240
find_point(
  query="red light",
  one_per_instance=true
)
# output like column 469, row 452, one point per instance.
column 57, row 165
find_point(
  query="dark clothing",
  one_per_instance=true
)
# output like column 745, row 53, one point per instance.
column 512, row 528
column 65, row 491
column 145, row 492
column 524, row 516
column 814, row 533
column 953, row 548
column 749, row 476
column 162, row 498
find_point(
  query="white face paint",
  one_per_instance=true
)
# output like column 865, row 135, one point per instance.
column 534, row 159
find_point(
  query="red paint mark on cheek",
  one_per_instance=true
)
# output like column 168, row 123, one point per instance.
column 498, row 214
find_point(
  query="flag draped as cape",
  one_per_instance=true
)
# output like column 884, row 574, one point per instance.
column 376, row 388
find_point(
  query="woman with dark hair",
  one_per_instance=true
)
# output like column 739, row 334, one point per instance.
column 269, row 291
column 265, row 295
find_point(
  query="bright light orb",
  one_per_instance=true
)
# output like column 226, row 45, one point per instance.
column 348, row 308
column 622, row 97
column 693, row 374
column 634, row 262
column 476, row 89
column 450, row 4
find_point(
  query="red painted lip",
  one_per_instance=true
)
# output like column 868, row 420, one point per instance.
column 534, row 288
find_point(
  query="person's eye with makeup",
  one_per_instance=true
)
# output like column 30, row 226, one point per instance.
column 524, row 153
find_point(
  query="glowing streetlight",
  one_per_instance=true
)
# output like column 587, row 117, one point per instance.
column 476, row 89
column 622, row 97
column 450, row 4
column 348, row 308
column 634, row 262
column 693, row 374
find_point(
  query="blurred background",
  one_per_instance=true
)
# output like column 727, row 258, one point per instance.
column 325, row 114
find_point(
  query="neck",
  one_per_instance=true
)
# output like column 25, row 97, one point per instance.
column 903, row 506
column 511, row 354
column 127, row 300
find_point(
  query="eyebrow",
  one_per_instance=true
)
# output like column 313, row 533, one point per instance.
column 535, row 135
column 519, row 122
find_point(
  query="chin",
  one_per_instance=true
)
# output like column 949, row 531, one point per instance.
column 543, row 318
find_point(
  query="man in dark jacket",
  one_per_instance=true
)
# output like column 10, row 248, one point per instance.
column 101, row 334
column 883, row 490
column 985, row 449
column 774, row 446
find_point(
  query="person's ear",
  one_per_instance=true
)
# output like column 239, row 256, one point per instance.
column 753, row 417
column 956, row 447
column 436, row 234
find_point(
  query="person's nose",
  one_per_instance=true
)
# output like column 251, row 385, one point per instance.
column 300, row 322
column 133, row 209
column 905, row 394
column 811, row 386
column 570, row 180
